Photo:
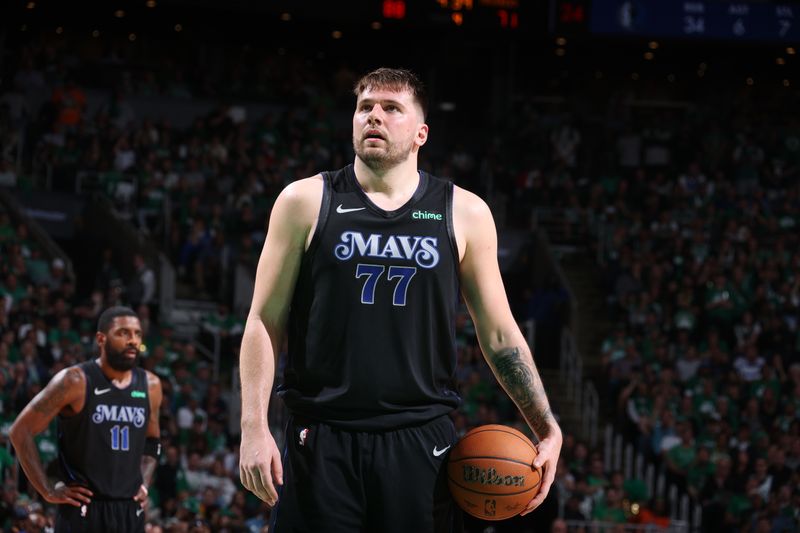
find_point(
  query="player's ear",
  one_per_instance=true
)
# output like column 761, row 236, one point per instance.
column 422, row 135
column 100, row 339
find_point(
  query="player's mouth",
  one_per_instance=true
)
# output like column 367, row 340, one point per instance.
column 132, row 352
column 374, row 135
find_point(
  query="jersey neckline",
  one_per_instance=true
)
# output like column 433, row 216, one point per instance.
column 418, row 194
column 128, row 387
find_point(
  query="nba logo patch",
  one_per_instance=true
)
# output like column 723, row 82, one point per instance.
column 84, row 511
column 302, row 436
column 489, row 507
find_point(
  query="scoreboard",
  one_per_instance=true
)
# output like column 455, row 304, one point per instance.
column 729, row 20
column 498, row 14
column 487, row 15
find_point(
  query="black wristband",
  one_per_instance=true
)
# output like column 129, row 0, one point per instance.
column 152, row 447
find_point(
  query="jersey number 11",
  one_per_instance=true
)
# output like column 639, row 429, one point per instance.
column 120, row 439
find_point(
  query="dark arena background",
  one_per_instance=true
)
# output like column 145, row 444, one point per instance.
column 641, row 159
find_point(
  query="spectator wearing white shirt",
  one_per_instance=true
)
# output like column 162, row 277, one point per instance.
column 687, row 364
column 124, row 155
column 749, row 365
column 565, row 141
column 142, row 289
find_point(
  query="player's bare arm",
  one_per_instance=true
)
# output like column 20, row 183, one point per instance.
column 153, row 436
column 291, row 227
column 517, row 372
column 499, row 336
column 64, row 394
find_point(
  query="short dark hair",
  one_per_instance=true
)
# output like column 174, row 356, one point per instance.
column 108, row 316
column 395, row 79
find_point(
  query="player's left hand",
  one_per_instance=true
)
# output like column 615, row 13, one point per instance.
column 549, row 449
column 141, row 496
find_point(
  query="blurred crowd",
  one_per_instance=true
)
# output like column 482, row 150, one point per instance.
column 693, row 213
column 215, row 181
column 701, row 262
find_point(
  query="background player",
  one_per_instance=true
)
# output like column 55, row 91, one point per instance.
column 369, row 259
column 107, row 411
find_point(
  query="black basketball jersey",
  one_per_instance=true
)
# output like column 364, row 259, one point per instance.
column 372, row 321
column 102, row 446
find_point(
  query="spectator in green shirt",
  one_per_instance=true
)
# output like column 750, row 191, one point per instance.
column 679, row 458
column 609, row 508
column 64, row 331
column 6, row 228
column 596, row 480
column 13, row 291
column 722, row 301
column 699, row 471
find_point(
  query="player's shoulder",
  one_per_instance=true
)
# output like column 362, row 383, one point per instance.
column 152, row 379
column 70, row 380
column 300, row 200
column 302, row 190
column 469, row 207
column 72, row 375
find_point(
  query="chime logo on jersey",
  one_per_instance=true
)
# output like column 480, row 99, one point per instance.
column 422, row 250
column 119, row 413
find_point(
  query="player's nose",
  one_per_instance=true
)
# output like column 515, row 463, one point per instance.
column 375, row 115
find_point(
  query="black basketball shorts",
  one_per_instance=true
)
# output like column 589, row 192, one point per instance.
column 357, row 482
column 101, row 516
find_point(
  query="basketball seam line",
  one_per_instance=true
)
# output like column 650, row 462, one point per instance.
column 493, row 457
column 525, row 440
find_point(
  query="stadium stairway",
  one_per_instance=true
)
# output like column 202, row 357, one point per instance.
column 588, row 326
column 187, row 316
column 567, row 410
column 591, row 323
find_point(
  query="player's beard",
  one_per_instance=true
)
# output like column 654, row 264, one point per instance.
column 380, row 160
column 117, row 359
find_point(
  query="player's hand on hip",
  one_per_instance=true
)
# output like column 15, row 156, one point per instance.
column 69, row 494
column 260, row 467
column 549, row 449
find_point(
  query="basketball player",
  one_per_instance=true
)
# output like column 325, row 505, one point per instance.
column 108, row 434
column 363, row 267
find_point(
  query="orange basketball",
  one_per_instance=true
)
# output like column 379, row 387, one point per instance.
column 490, row 472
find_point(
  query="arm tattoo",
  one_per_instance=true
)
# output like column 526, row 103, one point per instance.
column 522, row 382
column 52, row 403
column 515, row 375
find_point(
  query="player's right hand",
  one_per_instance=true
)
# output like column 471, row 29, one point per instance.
column 69, row 494
column 260, row 467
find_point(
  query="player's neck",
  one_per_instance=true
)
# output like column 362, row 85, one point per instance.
column 396, row 183
column 118, row 378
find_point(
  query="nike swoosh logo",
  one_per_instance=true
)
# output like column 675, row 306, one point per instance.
column 98, row 392
column 139, row 512
column 437, row 452
column 340, row 209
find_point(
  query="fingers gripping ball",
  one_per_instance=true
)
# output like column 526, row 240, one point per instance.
column 490, row 472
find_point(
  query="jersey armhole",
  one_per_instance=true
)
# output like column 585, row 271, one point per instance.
column 451, row 233
column 145, row 382
column 322, row 219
